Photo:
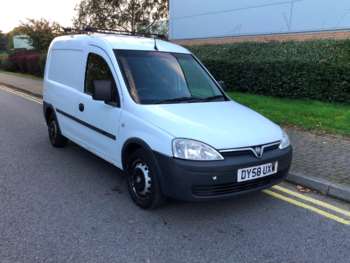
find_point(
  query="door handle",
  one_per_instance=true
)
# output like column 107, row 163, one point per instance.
column 81, row 107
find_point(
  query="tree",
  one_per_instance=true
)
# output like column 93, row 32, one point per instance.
column 10, row 36
column 126, row 15
column 41, row 32
column 3, row 41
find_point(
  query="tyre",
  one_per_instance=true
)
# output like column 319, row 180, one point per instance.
column 56, row 138
column 143, row 180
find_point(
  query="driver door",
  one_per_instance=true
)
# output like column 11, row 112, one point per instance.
column 99, row 121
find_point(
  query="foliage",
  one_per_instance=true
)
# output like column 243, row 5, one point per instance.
column 29, row 62
column 307, row 114
column 41, row 32
column 10, row 35
column 125, row 15
column 3, row 41
column 315, row 69
column 3, row 54
column 3, row 60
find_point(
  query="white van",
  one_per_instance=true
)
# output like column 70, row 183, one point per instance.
column 153, row 110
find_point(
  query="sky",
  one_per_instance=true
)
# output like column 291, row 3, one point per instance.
column 12, row 12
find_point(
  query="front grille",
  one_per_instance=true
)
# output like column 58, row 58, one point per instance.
column 271, row 148
column 248, row 151
column 229, row 188
column 237, row 153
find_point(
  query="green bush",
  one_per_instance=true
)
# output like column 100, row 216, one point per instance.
column 28, row 62
column 3, row 57
column 316, row 69
column 6, row 65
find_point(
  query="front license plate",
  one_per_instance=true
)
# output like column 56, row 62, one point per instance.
column 255, row 172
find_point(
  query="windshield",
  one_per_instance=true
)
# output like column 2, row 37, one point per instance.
column 155, row 77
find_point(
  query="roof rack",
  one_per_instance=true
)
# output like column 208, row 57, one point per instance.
column 88, row 30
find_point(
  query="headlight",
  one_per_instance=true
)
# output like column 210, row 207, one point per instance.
column 285, row 141
column 194, row 150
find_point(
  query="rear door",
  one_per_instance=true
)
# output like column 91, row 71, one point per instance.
column 99, row 122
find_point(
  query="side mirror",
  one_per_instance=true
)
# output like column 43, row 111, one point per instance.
column 222, row 85
column 102, row 90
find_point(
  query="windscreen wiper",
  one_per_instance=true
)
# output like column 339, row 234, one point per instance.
column 217, row 97
column 180, row 99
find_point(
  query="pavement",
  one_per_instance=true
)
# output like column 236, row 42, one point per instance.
column 67, row 205
column 29, row 85
column 320, row 162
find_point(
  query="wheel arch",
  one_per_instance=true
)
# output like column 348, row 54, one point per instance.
column 130, row 146
column 48, row 111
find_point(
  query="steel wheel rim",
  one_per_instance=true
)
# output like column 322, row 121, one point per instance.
column 53, row 131
column 141, row 181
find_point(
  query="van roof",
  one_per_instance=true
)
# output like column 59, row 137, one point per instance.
column 115, row 41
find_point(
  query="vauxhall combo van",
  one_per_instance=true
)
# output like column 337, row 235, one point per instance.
column 153, row 110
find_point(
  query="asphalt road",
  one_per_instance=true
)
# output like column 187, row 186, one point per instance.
column 66, row 205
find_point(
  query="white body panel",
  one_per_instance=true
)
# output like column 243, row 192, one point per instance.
column 222, row 125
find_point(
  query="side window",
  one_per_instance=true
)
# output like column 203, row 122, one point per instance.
column 98, row 69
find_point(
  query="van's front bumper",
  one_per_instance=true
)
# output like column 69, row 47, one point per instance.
column 196, row 180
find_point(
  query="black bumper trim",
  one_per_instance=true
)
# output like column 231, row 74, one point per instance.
column 224, row 189
column 195, row 180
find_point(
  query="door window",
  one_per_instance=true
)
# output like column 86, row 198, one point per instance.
column 98, row 69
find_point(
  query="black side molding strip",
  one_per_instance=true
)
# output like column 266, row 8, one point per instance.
column 107, row 134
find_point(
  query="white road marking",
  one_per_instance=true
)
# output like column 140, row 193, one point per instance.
column 21, row 94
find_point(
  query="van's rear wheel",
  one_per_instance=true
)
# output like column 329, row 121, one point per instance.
column 142, row 180
column 55, row 136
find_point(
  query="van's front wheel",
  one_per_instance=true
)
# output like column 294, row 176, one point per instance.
column 142, row 180
column 55, row 136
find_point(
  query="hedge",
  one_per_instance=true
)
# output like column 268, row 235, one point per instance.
column 29, row 62
column 315, row 70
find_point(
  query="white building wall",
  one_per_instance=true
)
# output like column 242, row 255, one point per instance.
column 190, row 19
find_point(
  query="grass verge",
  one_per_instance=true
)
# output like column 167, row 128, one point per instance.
column 320, row 117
